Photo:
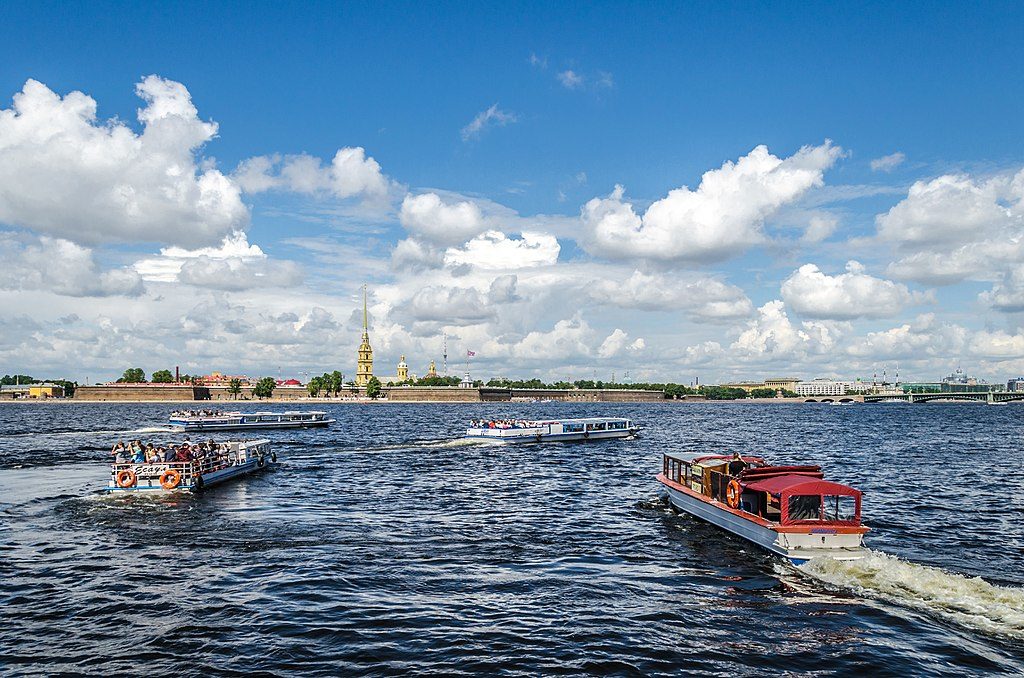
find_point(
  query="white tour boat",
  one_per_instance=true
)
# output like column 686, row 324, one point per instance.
column 562, row 430
column 208, row 465
column 215, row 420
column 788, row 510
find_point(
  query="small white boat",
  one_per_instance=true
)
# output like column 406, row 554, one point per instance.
column 226, row 461
column 215, row 420
column 788, row 510
column 561, row 430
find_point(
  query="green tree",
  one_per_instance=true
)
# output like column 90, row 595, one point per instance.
column 373, row 387
column 264, row 387
column 17, row 379
column 234, row 388
column 336, row 382
column 162, row 377
column 133, row 375
column 314, row 386
column 762, row 393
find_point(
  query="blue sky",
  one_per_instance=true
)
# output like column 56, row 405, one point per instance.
column 582, row 99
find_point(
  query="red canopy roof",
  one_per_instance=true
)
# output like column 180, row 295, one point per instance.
column 797, row 484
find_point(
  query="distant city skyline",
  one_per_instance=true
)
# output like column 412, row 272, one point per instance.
column 683, row 190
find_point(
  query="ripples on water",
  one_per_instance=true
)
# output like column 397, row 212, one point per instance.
column 386, row 545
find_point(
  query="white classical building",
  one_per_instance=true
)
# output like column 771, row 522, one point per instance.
column 825, row 387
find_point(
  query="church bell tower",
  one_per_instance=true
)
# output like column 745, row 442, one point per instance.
column 364, row 362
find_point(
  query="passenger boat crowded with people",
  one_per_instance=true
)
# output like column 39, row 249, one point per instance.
column 184, row 466
column 791, row 511
column 216, row 420
column 561, row 430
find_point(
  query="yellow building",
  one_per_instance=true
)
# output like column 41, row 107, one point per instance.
column 401, row 374
column 45, row 391
column 364, row 361
column 747, row 386
column 782, row 383
column 432, row 372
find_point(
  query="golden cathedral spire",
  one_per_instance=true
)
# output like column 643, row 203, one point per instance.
column 364, row 361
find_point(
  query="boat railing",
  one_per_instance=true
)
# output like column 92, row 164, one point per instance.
column 201, row 466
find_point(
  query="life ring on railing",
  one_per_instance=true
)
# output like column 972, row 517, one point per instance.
column 126, row 478
column 732, row 494
column 170, row 479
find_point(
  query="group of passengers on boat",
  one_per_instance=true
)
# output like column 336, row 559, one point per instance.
column 135, row 452
column 502, row 423
column 197, row 413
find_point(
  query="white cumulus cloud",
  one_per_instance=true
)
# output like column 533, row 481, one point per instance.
column 351, row 173
column 772, row 332
column 704, row 297
column 1007, row 294
column 65, row 173
column 956, row 227
column 61, row 267
column 430, row 218
column 617, row 342
column 720, row 219
column 235, row 265
column 854, row 294
column 495, row 250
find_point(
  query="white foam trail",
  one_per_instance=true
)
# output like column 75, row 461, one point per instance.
column 61, row 434
column 968, row 601
column 460, row 442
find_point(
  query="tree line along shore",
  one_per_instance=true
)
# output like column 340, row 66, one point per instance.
column 332, row 386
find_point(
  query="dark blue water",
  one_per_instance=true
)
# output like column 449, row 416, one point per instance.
column 385, row 546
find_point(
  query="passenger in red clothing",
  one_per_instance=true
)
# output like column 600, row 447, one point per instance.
column 184, row 454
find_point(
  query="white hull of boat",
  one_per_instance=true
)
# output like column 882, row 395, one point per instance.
column 526, row 436
column 152, row 484
column 797, row 547
column 238, row 426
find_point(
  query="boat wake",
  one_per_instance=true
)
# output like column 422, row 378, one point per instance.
column 971, row 602
column 71, row 434
column 460, row 442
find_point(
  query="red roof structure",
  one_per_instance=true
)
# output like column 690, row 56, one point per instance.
column 792, row 485
column 803, row 485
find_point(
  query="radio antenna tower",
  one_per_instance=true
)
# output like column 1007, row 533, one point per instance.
column 444, row 365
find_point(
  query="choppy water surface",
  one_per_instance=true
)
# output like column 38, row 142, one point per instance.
column 385, row 545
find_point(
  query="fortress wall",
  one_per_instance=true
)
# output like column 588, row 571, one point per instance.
column 155, row 392
column 591, row 395
column 450, row 394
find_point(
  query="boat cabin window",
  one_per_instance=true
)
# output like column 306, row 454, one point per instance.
column 572, row 428
column 840, row 508
column 596, row 427
column 616, row 425
column 805, row 507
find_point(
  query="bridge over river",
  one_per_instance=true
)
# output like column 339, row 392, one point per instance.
column 978, row 396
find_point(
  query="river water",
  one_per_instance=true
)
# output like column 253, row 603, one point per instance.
column 386, row 545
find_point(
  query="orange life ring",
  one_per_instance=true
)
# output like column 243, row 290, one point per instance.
column 732, row 494
column 170, row 479
column 126, row 478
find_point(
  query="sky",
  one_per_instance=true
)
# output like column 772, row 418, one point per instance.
column 659, row 192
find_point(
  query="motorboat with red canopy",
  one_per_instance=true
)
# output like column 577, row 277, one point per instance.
column 789, row 510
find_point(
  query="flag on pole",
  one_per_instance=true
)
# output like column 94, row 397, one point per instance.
column 470, row 354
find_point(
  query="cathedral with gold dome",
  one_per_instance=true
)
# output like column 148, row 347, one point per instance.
column 364, row 359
